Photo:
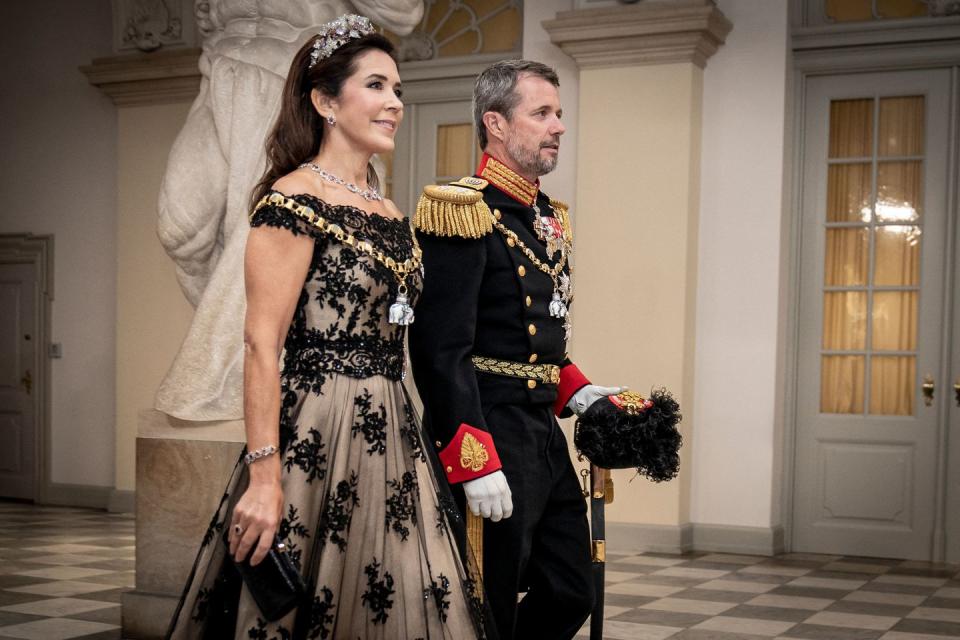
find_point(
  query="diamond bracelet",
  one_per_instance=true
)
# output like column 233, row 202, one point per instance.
column 262, row 452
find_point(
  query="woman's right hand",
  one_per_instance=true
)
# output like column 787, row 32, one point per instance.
column 257, row 514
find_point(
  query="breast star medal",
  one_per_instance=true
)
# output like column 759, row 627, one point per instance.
column 549, row 232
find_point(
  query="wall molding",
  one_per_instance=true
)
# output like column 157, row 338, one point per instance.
column 174, row 76
column 121, row 501
column 877, row 32
column 723, row 538
column 147, row 78
column 628, row 537
column 640, row 34
column 77, row 495
column 898, row 56
column 445, row 79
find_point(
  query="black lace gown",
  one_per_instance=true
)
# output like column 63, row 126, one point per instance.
column 352, row 458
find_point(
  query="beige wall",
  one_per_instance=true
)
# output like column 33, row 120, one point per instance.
column 152, row 313
column 88, row 173
column 737, row 462
column 562, row 182
column 58, row 135
column 636, row 252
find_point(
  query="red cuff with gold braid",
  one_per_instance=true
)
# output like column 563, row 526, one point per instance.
column 571, row 381
column 469, row 455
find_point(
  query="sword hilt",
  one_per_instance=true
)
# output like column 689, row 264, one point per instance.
column 475, row 543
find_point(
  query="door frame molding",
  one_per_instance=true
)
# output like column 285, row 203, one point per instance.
column 37, row 250
column 951, row 329
column 432, row 81
column 863, row 48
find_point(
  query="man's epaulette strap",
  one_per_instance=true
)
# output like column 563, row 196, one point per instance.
column 453, row 211
column 562, row 209
column 471, row 182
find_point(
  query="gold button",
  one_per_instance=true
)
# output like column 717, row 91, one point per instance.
column 522, row 270
column 531, row 384
column 533, row 358
column 532, row 329
column 449, row 469
column 438, row 444
column 529, row 301
column 511, row 242
column 496, row 214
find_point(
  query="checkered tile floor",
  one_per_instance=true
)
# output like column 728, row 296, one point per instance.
column 62, row 572
column 792, row 596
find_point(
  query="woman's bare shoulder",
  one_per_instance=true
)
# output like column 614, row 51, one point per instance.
column 299, row 182
column 391, row 209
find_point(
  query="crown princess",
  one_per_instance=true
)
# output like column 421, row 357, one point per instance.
column 337, row 33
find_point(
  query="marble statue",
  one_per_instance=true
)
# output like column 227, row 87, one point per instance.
column 213, row 165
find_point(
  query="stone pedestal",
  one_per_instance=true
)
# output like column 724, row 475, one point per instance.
column 182, row 469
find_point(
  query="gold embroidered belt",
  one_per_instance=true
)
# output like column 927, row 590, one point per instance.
column 545, row 373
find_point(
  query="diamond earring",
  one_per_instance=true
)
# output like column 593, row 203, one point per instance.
column 331, row 120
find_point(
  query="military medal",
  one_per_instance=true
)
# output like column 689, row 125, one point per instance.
column 560, row 304
column 549, row 232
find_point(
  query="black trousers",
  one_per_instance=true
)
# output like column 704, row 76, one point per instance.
column 544, row 547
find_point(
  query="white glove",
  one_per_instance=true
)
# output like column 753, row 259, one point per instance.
column 489, row 496
column 586, row 396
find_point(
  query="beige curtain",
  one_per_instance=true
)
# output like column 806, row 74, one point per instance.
column 894, row 314
column 851, row 128
column 897, row 256
column 891, row 385
column 455, row 144
column 841, row 384
column 848, row 192
column 844, row 328
column 847, row 258
column 901, row 126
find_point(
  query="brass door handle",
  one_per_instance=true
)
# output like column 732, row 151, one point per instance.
column 928, row 387
column 27, row 381
column 956, row 390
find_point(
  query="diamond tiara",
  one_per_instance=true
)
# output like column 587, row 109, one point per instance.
column 337, row 33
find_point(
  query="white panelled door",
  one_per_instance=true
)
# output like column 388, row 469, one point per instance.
column 18, row 352
column 874, row 198
column 436, row 144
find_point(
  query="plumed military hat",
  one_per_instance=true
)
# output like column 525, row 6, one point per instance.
column 626, row 430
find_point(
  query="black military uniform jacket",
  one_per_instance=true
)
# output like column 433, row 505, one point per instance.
column 483, row 296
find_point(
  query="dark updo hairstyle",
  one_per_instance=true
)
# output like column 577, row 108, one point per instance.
column 298, row 132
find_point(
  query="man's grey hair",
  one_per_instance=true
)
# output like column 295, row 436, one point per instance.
column 495, row 86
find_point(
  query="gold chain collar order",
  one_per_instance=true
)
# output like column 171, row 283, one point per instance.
column 562, row 283
column 400, row 269
column 553, row 271
column 400, row 312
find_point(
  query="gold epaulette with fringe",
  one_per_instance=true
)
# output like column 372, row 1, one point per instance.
column 454, row 210
column 562, row 209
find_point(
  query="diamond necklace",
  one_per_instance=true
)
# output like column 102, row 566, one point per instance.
column 366, row 194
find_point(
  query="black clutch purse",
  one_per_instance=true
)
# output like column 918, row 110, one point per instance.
column 626, row 430
column 275, row 584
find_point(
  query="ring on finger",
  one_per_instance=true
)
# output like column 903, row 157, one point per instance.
column 237, row 529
